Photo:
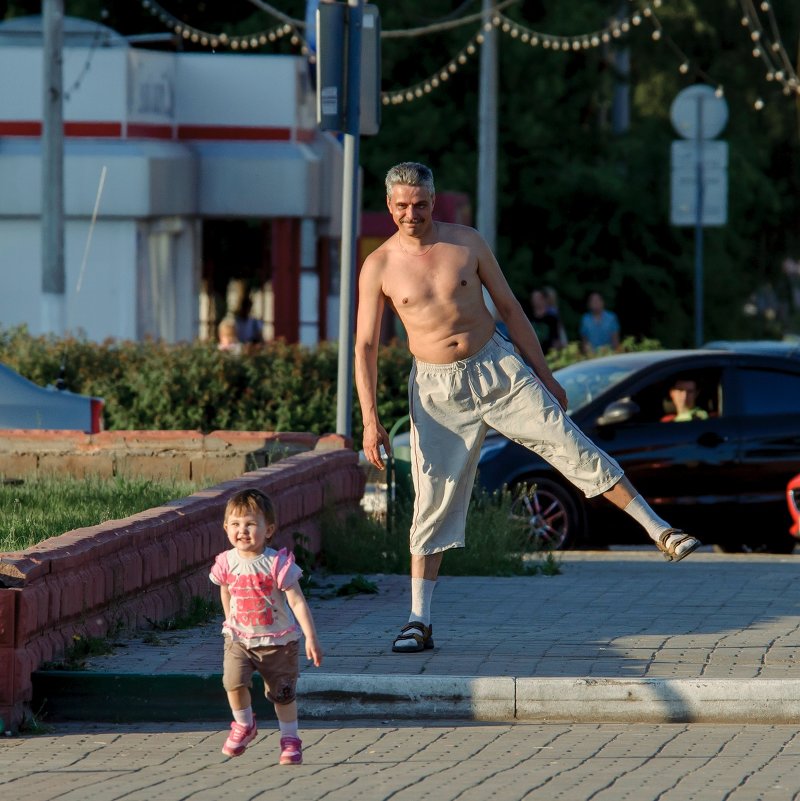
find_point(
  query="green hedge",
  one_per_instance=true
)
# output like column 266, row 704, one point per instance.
column 270, row 387
column 151, row 385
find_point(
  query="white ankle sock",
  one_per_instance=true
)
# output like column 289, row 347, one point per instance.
column 288, row 729
column 244, row 716
column 421, row 595
column 641, row 512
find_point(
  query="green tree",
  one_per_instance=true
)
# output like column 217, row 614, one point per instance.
column 580, row 205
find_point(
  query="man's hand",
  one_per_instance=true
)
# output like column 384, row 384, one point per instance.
column 557, row 390
column 374, row 436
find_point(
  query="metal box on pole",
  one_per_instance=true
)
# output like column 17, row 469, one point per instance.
column 331, row 66
column 335, row 111
column 370, row 121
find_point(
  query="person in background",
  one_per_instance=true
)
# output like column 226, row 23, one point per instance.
column 552, row 305
column 226, row 336
column 683, row 395
column 249, row 330
column 599, row 327
column 544, row 321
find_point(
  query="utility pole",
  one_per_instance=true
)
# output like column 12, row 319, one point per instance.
column 486, row 214
column 350, row 206
column 52, row 144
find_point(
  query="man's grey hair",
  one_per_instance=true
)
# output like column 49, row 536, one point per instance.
column 410, row 173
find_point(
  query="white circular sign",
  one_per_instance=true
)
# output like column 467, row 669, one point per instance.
column 698, row 113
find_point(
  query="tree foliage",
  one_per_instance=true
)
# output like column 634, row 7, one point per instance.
column 581, row 205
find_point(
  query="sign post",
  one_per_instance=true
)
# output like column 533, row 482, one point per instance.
column 348, row 101
column 699, row 174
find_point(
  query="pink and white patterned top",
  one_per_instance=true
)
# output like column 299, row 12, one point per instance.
column 259, row 613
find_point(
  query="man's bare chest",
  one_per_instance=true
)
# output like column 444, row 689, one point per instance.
column 431, row 282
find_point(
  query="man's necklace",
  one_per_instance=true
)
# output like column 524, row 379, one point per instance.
column 408, row 253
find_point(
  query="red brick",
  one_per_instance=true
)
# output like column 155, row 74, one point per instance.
column 33, row 612
column 17, row 569
column 149, row 441
column 71, row 596
column 187, row 551
column 29, row 440
column 333, row 442
column 76, row 465
column 6, row 676
column 133, row 573
column 8, row 606
column 209, row 469
column 175, row 467
column 19, row 465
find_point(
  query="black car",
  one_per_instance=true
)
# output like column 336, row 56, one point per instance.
column 722, row 478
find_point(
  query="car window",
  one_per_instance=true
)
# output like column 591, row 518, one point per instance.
column 655, row 401
column 769, row 392
column 584, row 381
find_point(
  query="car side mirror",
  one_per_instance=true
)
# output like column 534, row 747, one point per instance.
column 618, row 412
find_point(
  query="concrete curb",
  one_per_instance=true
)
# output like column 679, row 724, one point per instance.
column 658, row 700
column 337, row 696
column 63, row 695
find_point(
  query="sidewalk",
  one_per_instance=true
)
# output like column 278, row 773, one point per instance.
column 618, row 636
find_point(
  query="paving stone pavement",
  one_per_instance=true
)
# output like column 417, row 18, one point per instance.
column 622, row 614
column 619, row 615
column 382, row 760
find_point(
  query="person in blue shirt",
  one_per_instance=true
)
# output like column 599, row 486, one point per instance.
column 599, row 327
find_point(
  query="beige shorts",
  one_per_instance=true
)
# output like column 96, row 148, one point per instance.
column 454, row 405
column 277, row 665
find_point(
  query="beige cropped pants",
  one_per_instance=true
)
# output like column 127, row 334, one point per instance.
column 452, row 407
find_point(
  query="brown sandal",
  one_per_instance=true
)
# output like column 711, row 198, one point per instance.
column 413, row 637
column 671, row 551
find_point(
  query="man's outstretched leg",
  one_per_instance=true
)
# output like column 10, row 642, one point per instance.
column 417, row 634
column 672, row 542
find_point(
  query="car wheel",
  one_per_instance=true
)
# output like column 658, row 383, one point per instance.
column 548, row 513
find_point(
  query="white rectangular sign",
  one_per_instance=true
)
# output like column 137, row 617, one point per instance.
column 713, row 172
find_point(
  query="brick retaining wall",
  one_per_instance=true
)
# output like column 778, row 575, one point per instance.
column 147, row 566
column 180, row 455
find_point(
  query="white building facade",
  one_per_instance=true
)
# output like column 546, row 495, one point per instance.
column 161, row 145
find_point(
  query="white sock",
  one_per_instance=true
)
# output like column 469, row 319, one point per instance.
column 288, row 729
column 641, row 512
column 244, row 716
column 421, row 595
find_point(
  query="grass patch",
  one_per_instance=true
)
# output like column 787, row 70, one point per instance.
column 496, row 543
column 81, row 649
column 199, row 612
column 33, row 511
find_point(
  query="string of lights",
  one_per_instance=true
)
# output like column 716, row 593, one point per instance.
column 216, row 40
column 686, row 65
column 766, row 46
column 769, row 48
column 614, row 30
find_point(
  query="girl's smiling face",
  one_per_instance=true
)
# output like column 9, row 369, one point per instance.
column 248, row 532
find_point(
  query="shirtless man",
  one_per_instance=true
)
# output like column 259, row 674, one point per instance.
column 466, row 378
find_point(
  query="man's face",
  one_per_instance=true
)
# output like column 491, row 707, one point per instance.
column 411, row 208
column 683, row 395
column 595, row 303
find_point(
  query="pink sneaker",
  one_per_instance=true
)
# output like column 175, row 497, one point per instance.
column 240, row 737
column 291, row 751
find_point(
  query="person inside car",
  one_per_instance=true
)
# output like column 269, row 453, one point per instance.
column 683, row 396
